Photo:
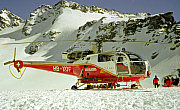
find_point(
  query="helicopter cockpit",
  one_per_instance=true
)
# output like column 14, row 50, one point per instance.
column 130, row 63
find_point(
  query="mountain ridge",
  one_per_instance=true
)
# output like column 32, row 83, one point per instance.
column 91, row 23
column 8, row 19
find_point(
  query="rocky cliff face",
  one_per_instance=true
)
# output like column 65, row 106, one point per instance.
column 159, row 28
column 41, row 14
column 8, row 19
column 45, row 12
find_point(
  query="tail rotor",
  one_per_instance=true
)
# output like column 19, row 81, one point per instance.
column 9, row 62
column 14, row 55
column 18, row 64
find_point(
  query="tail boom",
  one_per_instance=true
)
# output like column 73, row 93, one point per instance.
column 47, row 66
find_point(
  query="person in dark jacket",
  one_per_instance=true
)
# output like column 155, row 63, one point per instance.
column 155, row 82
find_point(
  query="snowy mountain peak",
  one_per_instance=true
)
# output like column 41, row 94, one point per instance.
column 51, row 13
column 76, row 6
column 42, row 13
column 97, row 23
column 92, row 9
column 8, row 19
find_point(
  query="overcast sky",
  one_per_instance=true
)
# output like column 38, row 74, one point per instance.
column 23, row 8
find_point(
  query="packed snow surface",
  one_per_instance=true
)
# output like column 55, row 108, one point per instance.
column 149, row 99
column 70, row 21
column 43, row 90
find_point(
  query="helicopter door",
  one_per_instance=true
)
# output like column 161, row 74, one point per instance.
column 122, row 65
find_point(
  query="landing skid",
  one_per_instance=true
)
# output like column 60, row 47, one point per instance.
column 106, row 86
column 122, row 89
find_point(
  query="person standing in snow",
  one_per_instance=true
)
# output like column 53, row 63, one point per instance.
column 155, row 82
column 168, row 82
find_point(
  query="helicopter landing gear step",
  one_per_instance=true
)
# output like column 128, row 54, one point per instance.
column 136, row 86
column 74, row 87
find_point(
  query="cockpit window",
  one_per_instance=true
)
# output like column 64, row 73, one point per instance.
column 121, row 58
column 88, row 58
column 105, row 58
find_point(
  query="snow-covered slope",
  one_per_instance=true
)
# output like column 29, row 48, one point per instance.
column 150, row 99
column 70, row 21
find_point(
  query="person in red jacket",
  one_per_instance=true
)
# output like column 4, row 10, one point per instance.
column 168, row 82
column 155, row 82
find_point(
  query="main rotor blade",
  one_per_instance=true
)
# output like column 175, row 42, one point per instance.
column 96, row 40
column 145, row 42
column 42, row 41
column 26, row 42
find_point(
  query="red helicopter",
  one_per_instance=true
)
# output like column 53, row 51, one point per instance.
column 104, row 68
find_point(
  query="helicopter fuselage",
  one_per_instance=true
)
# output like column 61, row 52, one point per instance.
column 99, row 68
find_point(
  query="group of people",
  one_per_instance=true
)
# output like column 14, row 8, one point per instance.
column 167, row 81
column 171, row 81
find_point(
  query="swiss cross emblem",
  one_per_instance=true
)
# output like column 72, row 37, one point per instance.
column 18, row 64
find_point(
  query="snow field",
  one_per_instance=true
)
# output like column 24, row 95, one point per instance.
column 42, row 90
column 152, row 99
